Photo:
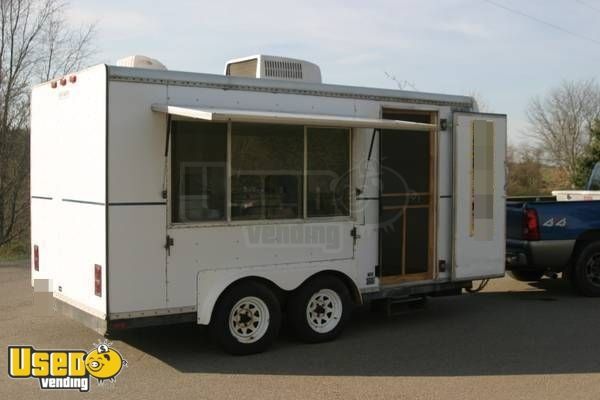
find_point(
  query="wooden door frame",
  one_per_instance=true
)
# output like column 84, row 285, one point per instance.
column 433, row 204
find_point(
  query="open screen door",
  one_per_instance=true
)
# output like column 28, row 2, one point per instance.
column 479, row 196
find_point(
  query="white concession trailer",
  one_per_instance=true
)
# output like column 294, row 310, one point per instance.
column 237, row 200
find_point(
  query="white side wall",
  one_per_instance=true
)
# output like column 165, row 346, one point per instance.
column 137, row 275
column 78, row 200
column 225, row 247
column 142, row 276
column 68, row 136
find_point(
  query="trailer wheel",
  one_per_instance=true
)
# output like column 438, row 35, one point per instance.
column 586, row 275
column 246, row 320
column 318, row 310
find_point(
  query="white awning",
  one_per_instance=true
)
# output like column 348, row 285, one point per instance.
column 224, row 115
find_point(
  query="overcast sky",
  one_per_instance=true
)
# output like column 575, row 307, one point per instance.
column 446, row 46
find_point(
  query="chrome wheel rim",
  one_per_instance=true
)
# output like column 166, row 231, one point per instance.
column 249, row 319
column 592, row 269
column 324, row 310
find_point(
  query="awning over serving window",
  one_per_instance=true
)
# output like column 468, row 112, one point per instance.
column 224, row 115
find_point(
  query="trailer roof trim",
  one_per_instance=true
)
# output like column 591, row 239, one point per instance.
column 225, row 115
column 196, row 79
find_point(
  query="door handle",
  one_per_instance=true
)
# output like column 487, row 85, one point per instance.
column 170, row 242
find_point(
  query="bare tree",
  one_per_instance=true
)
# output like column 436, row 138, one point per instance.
column 36, row 45
column 402, row 84
column 524, row 171
column 482, row 104
column 561, row 122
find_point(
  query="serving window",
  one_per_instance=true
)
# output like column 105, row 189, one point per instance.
column 267, row 164
column 244, row 171
column 327, row 173
column 198, row 171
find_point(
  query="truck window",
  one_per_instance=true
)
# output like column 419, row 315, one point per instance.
column 594, row 182
column 267, row 163
column 198, row 171
column 328, row 179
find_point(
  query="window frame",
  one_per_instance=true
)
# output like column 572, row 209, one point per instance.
column 168, row 182
column 302, row 171
column 228, row 221
column 350, row 175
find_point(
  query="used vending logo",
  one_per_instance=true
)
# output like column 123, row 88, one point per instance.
column 65, row 369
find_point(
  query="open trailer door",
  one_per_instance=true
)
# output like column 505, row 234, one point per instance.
column 479, row 195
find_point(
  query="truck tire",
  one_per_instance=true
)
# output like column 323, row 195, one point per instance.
column 246, row 319
column 319, row 309
column 586, row 274
column 526, row 276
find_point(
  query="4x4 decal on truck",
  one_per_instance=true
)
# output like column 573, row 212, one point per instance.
column 561, row 223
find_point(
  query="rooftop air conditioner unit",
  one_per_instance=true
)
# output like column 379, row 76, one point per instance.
column 140, row 62
column 271, row 67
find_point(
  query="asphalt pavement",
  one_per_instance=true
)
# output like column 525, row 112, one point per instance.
column 512, row 341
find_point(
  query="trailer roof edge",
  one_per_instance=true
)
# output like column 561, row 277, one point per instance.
column 181, row 78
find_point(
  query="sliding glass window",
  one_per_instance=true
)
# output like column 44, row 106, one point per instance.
column 328, row 177
column 266, row 171
column 274, row 170
column 198, row 171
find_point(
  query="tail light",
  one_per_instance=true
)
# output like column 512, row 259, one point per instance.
column 531, row 226
column 118, row 325
column 36, row 257
column 98, row 280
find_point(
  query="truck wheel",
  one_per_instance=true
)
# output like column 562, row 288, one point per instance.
column 246, row 319
column 319, row 309
column 586, row 276
column 526, row 276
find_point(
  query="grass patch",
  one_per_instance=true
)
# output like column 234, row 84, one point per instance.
column 16, row 250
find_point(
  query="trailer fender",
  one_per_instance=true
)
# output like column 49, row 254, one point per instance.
column 212, row 283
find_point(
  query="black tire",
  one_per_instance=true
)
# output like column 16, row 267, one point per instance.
column 586, row 274
column 223, row 331
column 298, row 317
column 526, row 276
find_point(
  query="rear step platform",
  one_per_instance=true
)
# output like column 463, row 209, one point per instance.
column 393, row 306
column 402, row 305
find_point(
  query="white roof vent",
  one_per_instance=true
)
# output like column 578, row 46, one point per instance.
column 271, row 67
column 140, row 62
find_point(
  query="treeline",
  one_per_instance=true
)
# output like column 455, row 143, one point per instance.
column 563, row 141
column 36, row 45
